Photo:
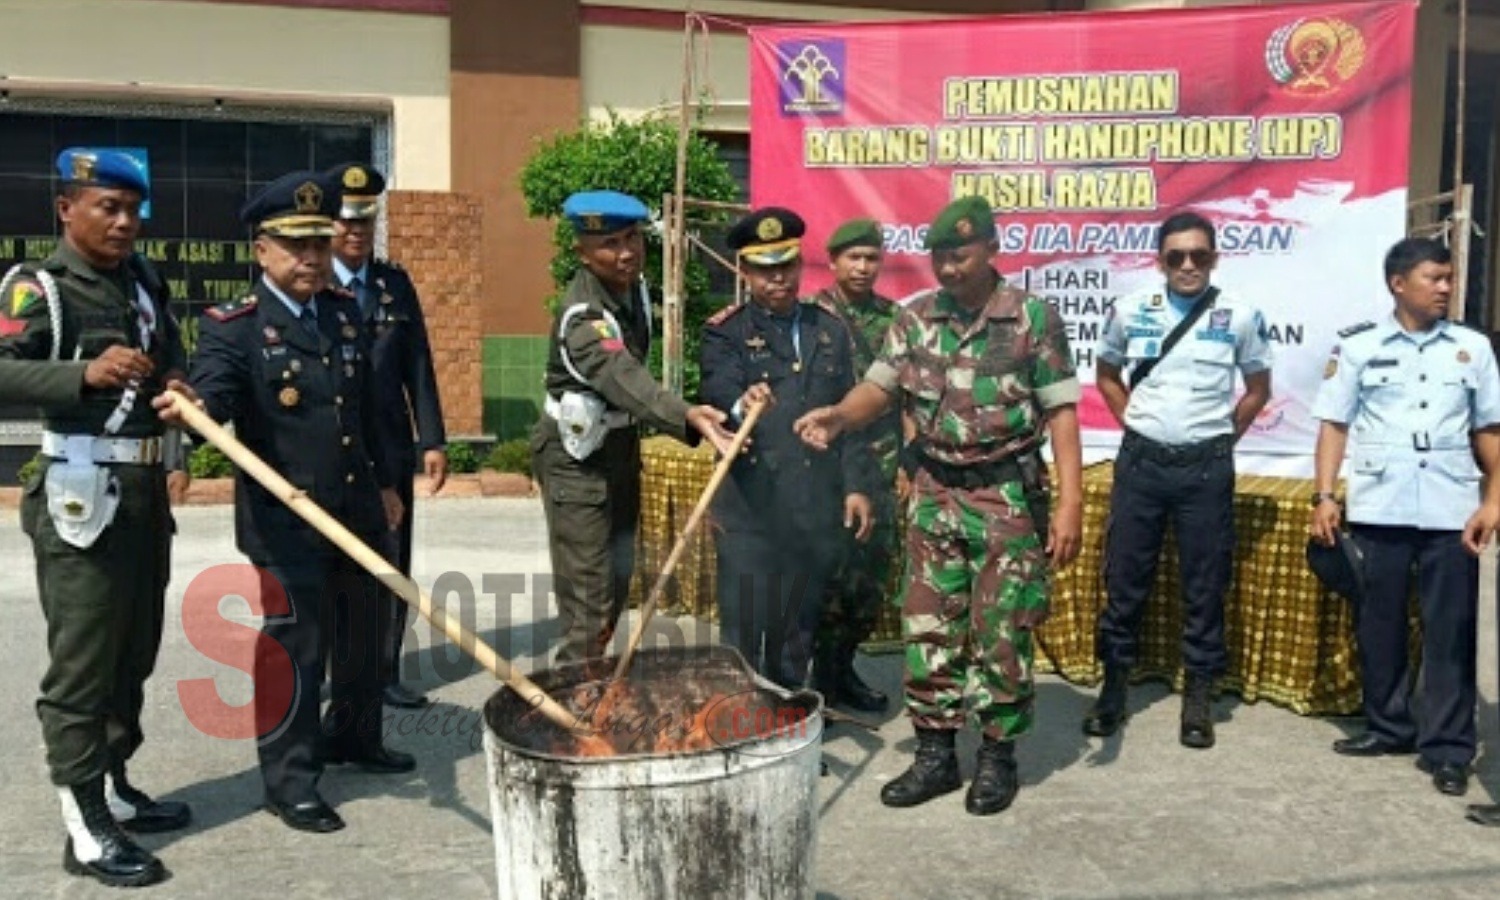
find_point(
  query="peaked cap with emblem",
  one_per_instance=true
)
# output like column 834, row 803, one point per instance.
column 102, row 167
column 296, row 205
column 855, row 233
column 359, row 186
column 964, row 221
column 603, row 212
column 767, row 237
column 1341, row 567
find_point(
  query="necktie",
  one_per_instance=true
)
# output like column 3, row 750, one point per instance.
column 310, row 320
column 357, row 285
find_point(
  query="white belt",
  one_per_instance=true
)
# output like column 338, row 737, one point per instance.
column 614, row 418
column 80, row 447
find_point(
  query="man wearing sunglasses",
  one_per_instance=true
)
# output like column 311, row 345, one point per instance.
column 1181, row 343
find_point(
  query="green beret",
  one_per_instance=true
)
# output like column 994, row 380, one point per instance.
column 855, row 233
column 964, row 221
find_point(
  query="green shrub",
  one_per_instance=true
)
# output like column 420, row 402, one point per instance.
column 29, row 469
column 512, row 456
column 462, row 460
column 208, row 461
column 640, row 159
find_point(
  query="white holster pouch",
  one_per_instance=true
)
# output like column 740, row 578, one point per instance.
column 580, row 422
column 82, row 497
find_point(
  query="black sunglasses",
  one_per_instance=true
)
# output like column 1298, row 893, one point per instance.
column 1173, row 259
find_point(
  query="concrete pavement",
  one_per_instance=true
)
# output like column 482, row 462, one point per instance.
column 1270, row 812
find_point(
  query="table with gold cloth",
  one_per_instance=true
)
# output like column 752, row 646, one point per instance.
column 1289, row 641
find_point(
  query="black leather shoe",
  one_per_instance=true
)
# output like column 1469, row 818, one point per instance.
column 1197, row 726
column 403, row 697
column 135, row 811
column 855, row 694
column 1487, row 815
column 379, row 759
column 933, row 773
column 1449, row 778
column 310, row 815
column 995, row 781
column 1368, row 744
column 1107, row 714
column 96, row 847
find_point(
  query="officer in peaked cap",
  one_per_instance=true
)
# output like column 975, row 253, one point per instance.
column 786, row 510
column 87, row 337
column 289, row 366
column 586, row 451
column 406, row 389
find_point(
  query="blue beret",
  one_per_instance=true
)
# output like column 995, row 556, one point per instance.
column 767, row 237
column 603, row 212
column 296, row 205
column 359, row 186
column 102, row 167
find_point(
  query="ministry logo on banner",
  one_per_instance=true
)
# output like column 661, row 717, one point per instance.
column 812, row 76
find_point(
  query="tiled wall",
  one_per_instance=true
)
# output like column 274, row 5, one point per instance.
column 513, row 367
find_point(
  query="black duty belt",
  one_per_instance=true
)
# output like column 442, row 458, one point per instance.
column 1177, row 454
column 973, row 477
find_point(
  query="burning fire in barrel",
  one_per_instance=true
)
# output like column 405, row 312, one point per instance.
column 698, row 780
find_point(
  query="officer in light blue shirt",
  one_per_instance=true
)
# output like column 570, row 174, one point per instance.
column 1182, row 344
column 1421, row 397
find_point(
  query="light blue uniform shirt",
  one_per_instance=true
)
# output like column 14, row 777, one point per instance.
column 292, row 305
column 1411, row 401
column 1190, row 396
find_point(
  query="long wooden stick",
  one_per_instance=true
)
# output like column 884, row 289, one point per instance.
column 373, row 562
column 648, row 609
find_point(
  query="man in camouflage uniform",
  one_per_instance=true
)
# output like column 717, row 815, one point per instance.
column 88, row 337
column 981, row 369
column 857, row 591
column 586, row 450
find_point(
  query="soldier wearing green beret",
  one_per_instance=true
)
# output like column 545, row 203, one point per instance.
column 855, row 595
column 986, row 375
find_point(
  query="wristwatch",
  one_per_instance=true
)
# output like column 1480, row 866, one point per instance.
column 1320, row 496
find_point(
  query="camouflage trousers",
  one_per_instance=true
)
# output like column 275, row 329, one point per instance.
column 858, row 590
column 976, row 585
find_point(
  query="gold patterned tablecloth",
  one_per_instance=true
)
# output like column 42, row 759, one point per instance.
column 1289, row 641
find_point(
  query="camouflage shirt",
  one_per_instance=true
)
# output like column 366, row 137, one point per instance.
column 976, row 387
column 868, row 321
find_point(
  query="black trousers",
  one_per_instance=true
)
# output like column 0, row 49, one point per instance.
column 1448, row 596
column 395, row 612
column 329, row 617
column 1197, row 499
column 770, row 599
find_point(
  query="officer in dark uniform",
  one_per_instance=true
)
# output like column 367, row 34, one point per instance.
column 586, row 449
column 406, row 388
column 785, row 511
column 289, row 366
column 87, row 335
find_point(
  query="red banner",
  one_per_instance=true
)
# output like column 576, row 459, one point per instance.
column 1286, row 125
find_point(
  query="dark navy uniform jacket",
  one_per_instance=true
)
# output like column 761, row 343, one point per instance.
column 780, row 482
column 302, row 402
column 406, row 387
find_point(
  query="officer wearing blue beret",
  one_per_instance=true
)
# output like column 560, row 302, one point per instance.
column 1420, row 397
column 406, row 389
column 586, row 449
column 786, row 510
column 87, row 336
column 288, row 364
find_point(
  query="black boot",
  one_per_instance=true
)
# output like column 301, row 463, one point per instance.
column 96, row 846
column 852, row 689
column 1197, row 712
column 995, row 783
column 1107, row 714
column 135, row 811
column 933, row 773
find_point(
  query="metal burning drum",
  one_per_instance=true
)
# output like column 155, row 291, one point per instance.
column 702, row 783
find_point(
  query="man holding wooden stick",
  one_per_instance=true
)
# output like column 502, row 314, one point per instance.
column 289, row 366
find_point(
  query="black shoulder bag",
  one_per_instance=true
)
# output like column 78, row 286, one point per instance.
column 1139, row 373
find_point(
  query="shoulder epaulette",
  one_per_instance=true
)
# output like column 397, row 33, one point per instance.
column 1352, row 330
column 225, row 312
column 824, row 302
column 389, row 264
column 725, row 314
